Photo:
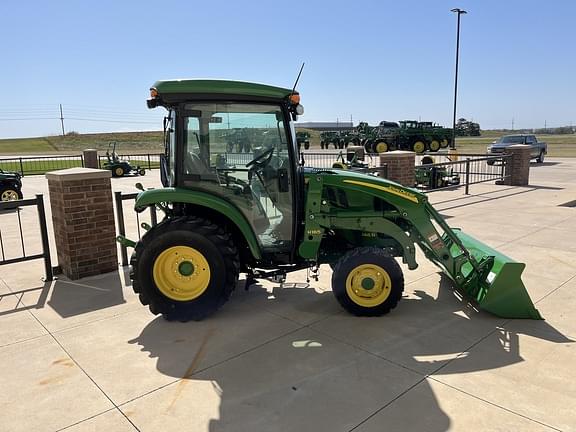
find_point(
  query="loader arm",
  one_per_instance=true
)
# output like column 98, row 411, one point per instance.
column 482, row 274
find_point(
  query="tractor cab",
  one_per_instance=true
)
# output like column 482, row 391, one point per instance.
column 408, row 124
column 237, row 148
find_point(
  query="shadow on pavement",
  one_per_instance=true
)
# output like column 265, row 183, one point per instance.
column 70, row 298
column 265, row 389
column 21, row 305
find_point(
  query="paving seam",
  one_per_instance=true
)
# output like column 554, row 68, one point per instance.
column 496, row 405
column 302, row 326
column 208, row 367
column 388, row 404
column 556, row 289
column 82, row 369
column 86, row 419
column 532, row 233
column 469, row 394
column 421, row 380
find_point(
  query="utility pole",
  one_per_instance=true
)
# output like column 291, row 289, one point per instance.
column 458, row 12
column 62, row 120
column 512, row 123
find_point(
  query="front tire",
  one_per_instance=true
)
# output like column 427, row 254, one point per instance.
column 367, row 282
column 185, row 269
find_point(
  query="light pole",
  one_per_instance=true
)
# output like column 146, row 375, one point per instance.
column 458, row 12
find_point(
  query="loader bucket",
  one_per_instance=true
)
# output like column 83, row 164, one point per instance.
column 501, row 291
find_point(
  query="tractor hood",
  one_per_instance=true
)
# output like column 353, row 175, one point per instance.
column 364, row 183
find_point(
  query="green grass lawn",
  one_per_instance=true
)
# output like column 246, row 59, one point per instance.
column 26, row 146
column 39, row 166
column 127, row 142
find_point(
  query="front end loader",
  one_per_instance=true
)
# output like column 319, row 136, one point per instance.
column 266, row 214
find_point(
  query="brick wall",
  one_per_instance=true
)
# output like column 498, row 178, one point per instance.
column 83, row 219
column 400, row 166
column 518, row 168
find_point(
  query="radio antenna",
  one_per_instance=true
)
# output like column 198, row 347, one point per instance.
column 298, row 78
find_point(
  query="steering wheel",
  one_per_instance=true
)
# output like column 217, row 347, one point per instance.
column 261, row 160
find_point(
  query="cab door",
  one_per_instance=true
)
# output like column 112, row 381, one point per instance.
column 240, row 151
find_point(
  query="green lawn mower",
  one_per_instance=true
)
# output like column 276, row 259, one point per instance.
column 268, row 214
column 120, row 167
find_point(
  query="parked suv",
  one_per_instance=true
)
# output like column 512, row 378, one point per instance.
column 538, row 150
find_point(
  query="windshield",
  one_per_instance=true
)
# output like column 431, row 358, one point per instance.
column 512, row 139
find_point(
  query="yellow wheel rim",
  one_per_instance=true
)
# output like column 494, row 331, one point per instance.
column 381, row 147
column 181, row 273
column 368, row 285
column 434, row 145
column 444, row 143
column 119, row 171
column 9, row 195
column 419, row 147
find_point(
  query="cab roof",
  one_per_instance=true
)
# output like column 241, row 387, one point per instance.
column 191, row 87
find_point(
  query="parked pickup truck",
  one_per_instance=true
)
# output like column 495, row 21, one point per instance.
column 538, row 151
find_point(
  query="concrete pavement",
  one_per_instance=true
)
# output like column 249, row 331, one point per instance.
column 86, row 356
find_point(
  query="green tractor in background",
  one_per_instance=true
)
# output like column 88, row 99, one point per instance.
column 268, row 215
column 120, row 167
column 414, row 136
column 303, row 140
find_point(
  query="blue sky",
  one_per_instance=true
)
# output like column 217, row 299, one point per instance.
column 372, row 60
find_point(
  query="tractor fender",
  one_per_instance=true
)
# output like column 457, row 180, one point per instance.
column 202, row 199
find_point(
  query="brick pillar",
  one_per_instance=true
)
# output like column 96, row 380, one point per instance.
column 518, row 168
column 400, row 166
column 90, row 158
column 83, row 218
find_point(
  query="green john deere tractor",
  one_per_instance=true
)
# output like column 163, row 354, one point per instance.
column 267, row 215
column 413, row 136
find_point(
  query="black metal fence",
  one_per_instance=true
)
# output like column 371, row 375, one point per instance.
column 148, row 161
column 119, row 199
column 12, row 244
column 34, row 165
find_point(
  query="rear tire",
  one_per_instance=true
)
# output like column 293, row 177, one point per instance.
column 419, row 146
column 540, row 158
column 118, row 172
column 381, row 146
column 369, row 146
column 9, row 193
column 434, row 145
column 367, row 282
column 185, row 269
